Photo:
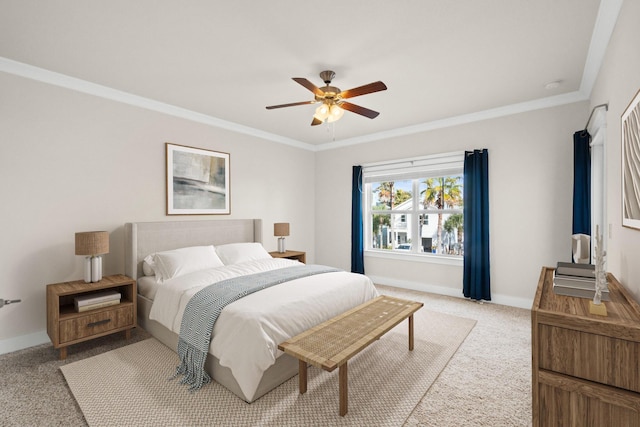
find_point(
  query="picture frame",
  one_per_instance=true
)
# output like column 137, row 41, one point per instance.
column 630, row 133
column 198, row 181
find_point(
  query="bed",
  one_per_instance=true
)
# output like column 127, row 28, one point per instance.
column 288, row 302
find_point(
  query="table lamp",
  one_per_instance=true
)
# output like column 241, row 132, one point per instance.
column 281, row 229
column 92, row 244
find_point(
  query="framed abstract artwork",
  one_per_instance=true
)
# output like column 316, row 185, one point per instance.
column 630, row 132
column 197, row 181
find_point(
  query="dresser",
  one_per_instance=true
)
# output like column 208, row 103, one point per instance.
column 586, row 368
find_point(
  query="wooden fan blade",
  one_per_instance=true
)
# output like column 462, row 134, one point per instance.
column 363, row 90
column 306, row 83
column 316, row 122
column 293, row 104
column 359, row 110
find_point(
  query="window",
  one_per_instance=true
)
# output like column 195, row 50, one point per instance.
column 415, row 205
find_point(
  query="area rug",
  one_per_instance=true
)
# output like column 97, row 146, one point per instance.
column 129, row 387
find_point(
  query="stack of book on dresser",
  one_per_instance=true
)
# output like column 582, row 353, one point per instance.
column 576, row 280
column 96, row 300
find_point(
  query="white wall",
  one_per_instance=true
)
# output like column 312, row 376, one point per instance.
column 73, row 162
column 530, row 190
column 617, row 83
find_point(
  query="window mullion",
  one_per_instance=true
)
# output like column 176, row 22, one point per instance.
column 368, row 217
column 416, row 242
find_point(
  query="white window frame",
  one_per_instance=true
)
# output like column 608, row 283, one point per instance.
column 446, row 164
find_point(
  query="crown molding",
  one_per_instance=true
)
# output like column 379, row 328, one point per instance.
column 602, row 29
column 507, row 110
column 79, row 85
column 62, row 80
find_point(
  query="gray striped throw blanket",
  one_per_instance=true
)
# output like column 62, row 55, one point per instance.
column 205, row 306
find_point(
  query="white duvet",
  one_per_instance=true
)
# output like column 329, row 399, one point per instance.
column 248, row 331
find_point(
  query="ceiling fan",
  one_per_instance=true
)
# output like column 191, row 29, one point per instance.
column 332, row 99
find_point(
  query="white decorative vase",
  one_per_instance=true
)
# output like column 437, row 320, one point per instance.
column 596, row 306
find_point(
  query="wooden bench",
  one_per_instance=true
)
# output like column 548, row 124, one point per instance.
column 331, row 344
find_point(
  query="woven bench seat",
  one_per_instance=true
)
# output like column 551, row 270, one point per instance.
column 331, row 344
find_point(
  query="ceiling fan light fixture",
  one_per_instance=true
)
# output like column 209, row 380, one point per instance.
column 335, row 113
column 322, row 112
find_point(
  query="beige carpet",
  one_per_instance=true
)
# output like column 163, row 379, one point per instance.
column 128, row 386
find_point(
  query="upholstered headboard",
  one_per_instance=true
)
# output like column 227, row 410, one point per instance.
column 144, row 238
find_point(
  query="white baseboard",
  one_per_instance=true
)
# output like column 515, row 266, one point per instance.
column 10, row 345
column 452, row 292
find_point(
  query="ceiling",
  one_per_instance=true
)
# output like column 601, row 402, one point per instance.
column 222, row 62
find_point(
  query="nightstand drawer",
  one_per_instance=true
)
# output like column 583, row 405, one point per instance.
column 96, row 323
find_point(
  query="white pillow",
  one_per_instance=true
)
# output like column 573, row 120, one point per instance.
column 178, row 262
column 147, row 266
column 234, row 253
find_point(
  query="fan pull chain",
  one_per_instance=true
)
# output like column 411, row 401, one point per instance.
column 331, row 130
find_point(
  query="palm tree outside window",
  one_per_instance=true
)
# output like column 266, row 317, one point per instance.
column 444, row 195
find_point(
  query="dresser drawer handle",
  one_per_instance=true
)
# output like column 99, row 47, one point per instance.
column 99, row 322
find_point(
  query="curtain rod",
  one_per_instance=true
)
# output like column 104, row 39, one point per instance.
column 606, row 108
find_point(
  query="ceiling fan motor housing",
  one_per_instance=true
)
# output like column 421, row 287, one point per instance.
column 329, row 93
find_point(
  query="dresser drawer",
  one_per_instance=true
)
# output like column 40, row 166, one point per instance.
column 96, row 323
column 598, row 358
column 568, row 402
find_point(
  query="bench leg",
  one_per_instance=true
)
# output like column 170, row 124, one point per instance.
column 302, row 376
column 344, row 389
column 411, row 332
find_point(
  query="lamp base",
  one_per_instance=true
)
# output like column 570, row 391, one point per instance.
column 92, row 269
column 87, row 269
column 281, row 246
column 96, row 268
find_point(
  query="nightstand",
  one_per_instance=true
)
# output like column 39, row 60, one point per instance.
column 65, row 326
column 297, row 255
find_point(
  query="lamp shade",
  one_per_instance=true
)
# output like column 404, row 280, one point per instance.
column 92, row 243
column 281, row 229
